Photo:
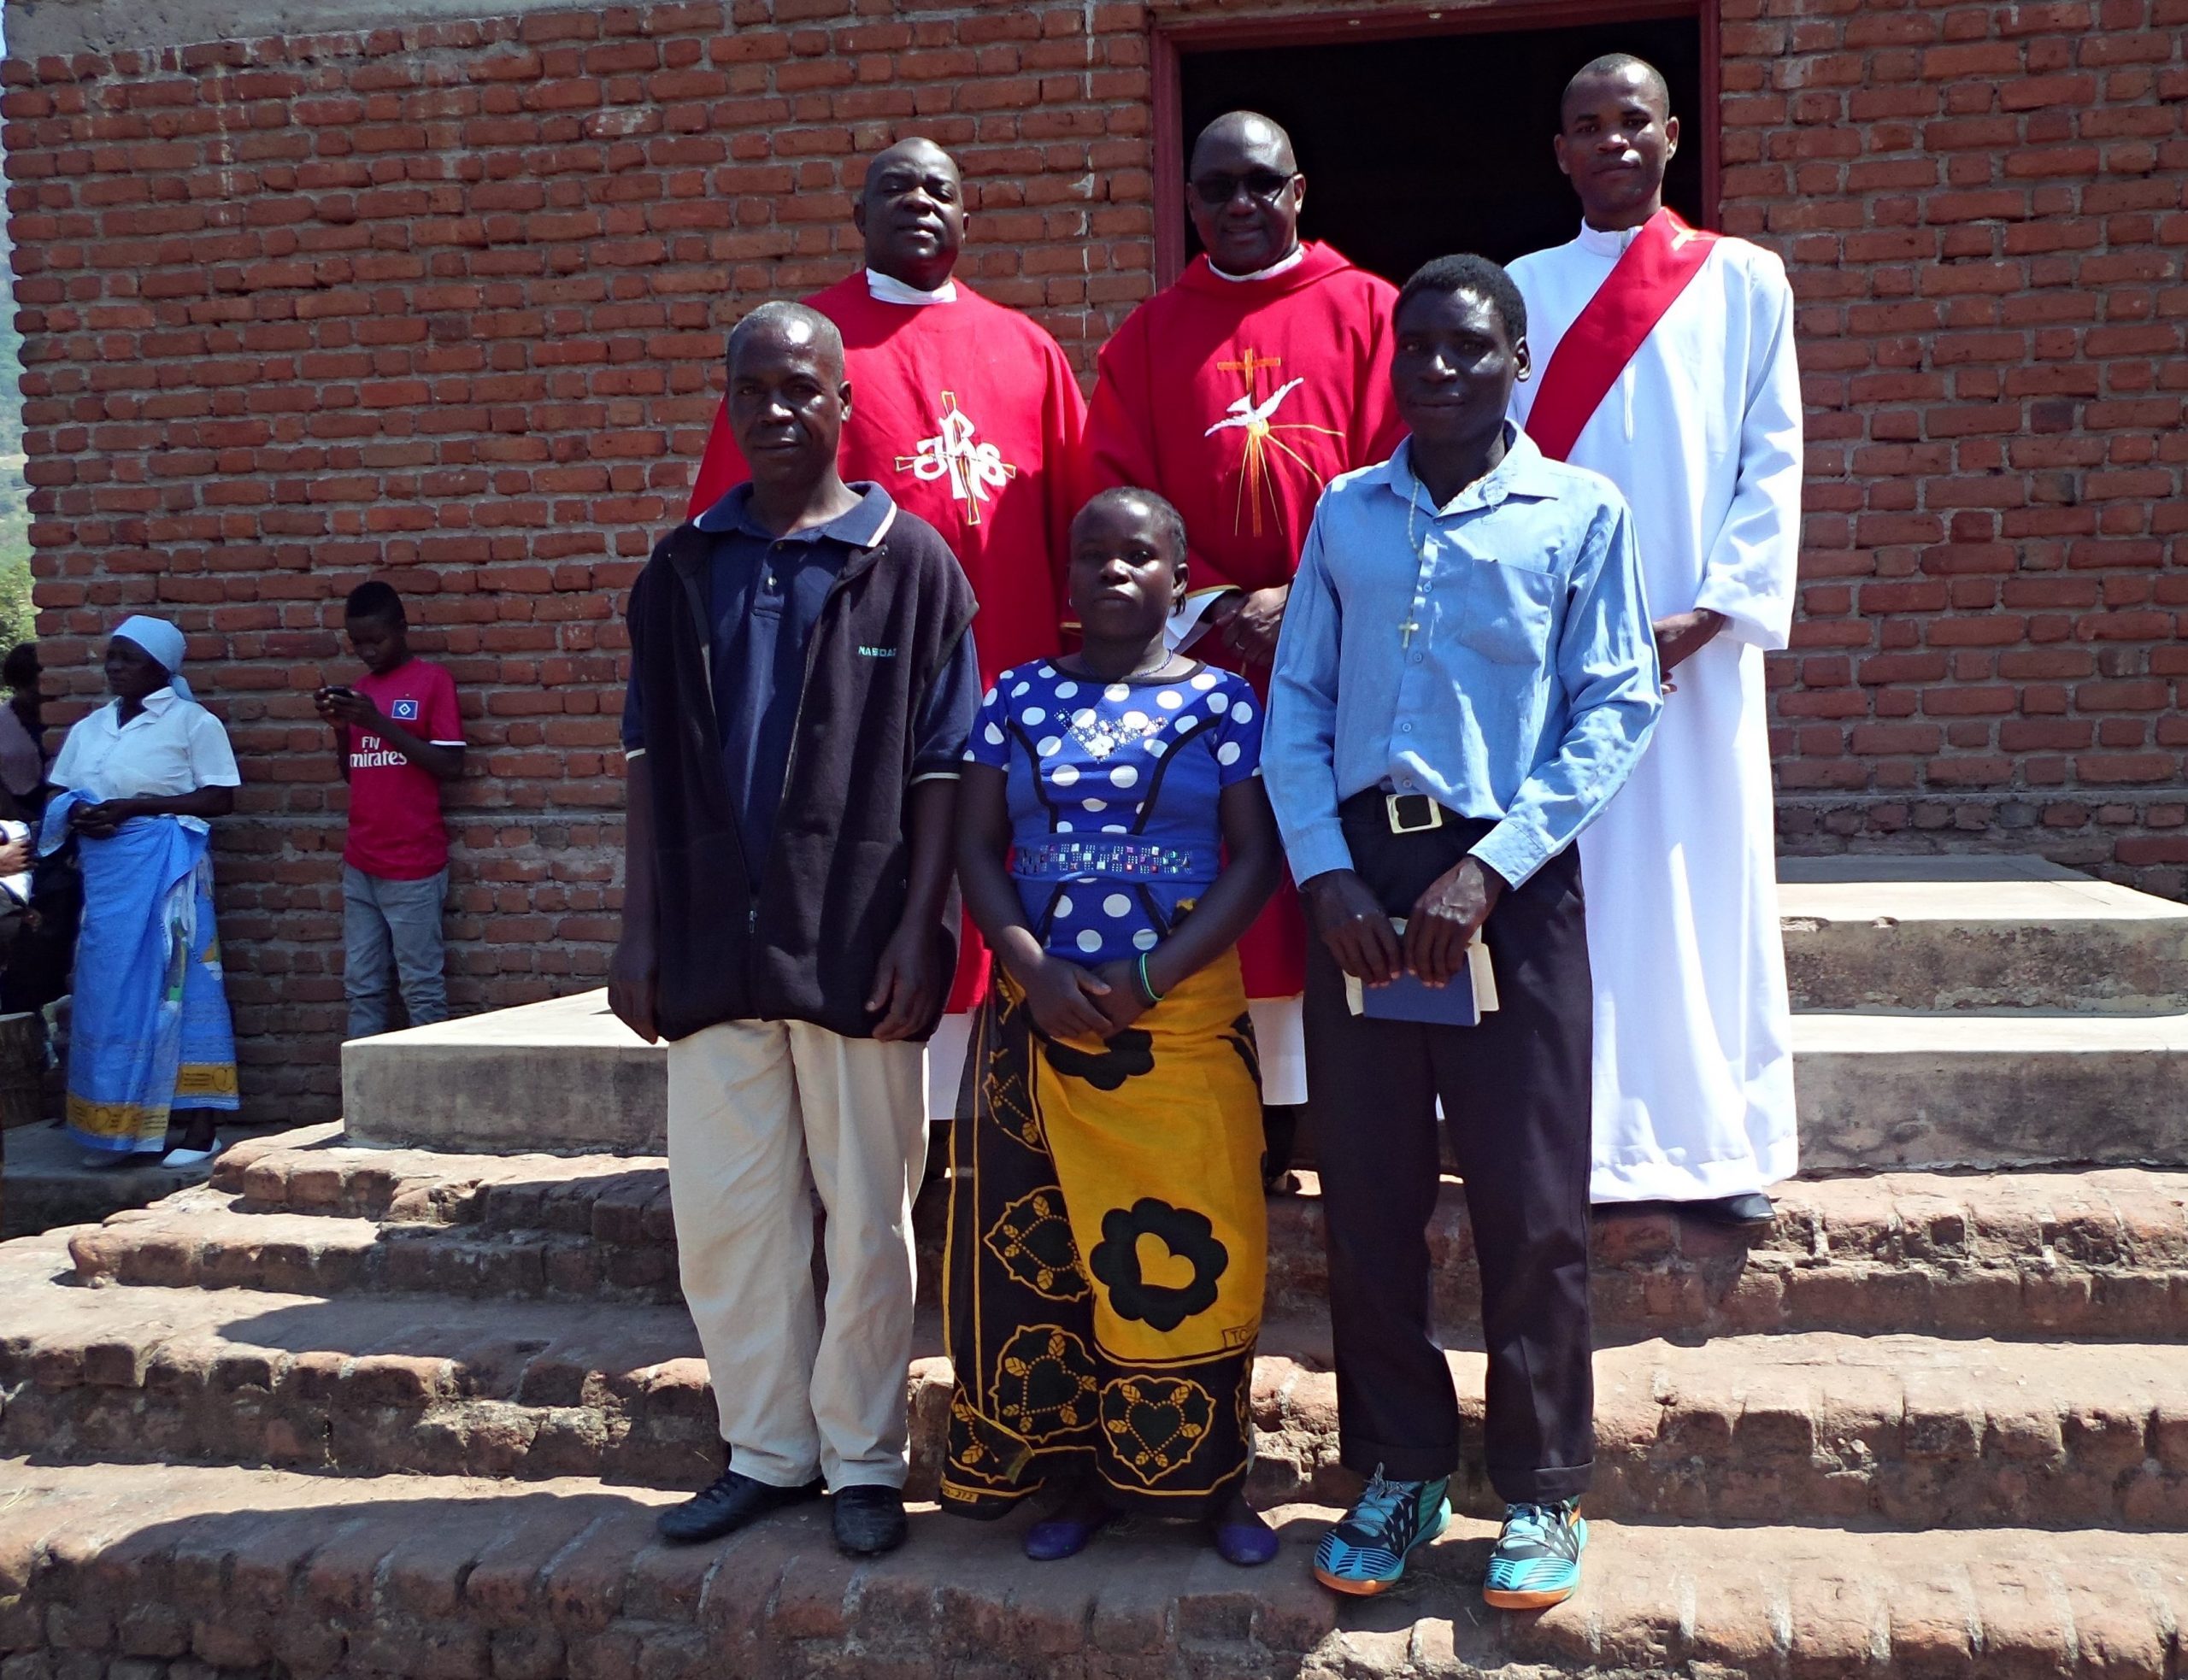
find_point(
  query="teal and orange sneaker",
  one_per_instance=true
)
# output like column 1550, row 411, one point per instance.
column 1536, row 1560
column 1365, row 1555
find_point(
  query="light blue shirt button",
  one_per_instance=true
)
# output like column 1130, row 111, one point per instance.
column 1546, row 685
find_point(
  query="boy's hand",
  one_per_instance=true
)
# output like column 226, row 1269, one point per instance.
column 908, row 984
column 350, row 709
column 1446, row 918
column 1068, row 1001
column 1343, row 912
column 15, row 856
column 634, row 985
column 1122, row 1003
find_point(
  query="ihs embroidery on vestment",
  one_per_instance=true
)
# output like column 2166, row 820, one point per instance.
column 972, row 468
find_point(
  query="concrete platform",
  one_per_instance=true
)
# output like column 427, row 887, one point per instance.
column 1900, row 1092
column 563, row 1077
column 1907, row 1091
column 1976, row 933
column 47, row 1182
column 1958, row 1013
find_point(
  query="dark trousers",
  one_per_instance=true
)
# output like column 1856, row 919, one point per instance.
column 1515, row 1091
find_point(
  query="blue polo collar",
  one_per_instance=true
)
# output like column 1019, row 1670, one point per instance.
column 863, row 527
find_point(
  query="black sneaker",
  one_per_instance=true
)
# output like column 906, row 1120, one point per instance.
column 729, row 1505
column 869, row 1520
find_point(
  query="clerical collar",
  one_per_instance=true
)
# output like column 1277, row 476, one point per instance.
column 1606, row 245
column 888, row 289
column 1282, row 266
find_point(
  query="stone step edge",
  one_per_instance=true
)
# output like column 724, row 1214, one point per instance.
column 2091, row 1215
column 1730, row 1437
column 239, row 1568
column 1643, row 1276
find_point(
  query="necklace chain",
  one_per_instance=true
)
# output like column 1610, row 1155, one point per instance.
column 1420, row 549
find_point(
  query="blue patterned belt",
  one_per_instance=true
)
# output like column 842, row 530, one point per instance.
column 1060, row 859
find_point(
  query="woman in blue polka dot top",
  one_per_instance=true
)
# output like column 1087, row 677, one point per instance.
column 1108, row 1238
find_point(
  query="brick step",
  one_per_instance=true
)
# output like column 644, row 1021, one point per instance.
column 2103, row 1253
column 1909, row 1430
column 173, row 1571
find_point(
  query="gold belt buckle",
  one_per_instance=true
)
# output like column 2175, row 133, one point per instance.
column 1400, row 826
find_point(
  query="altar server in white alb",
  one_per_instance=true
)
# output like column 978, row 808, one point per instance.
column 1667, row 366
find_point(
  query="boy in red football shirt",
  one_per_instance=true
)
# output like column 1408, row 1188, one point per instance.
column 399, row 736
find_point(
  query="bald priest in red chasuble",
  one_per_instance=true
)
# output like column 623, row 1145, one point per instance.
column 1239, row 393
column 969, row 414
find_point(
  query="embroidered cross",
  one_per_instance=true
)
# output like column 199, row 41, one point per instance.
column 972, row 468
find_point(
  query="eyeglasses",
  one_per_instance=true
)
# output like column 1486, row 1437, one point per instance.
column 1264, row 186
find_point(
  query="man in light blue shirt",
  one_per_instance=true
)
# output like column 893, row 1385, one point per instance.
column 1466, row 676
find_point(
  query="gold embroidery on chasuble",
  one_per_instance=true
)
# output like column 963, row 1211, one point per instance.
column 1045, row 1386
column 1255, row 416
column 1033, row 1239
column 1156, row 1423
column 973, row 468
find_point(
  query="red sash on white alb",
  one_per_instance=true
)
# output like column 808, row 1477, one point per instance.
column 1650, row 274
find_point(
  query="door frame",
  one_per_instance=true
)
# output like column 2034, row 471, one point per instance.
column 1168, row 43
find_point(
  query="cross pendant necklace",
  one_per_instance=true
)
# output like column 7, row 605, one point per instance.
column 1420, row 562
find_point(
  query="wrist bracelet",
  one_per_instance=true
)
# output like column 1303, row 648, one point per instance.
column 1146, row 986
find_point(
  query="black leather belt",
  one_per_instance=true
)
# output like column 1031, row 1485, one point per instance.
column 1402, row 813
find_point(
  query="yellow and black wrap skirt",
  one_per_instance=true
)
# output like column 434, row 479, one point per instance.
column 1108, row 1248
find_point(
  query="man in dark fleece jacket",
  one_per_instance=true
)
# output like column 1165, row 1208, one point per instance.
column 802, row 679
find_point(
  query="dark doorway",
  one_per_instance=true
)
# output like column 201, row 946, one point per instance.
column 1417, row 147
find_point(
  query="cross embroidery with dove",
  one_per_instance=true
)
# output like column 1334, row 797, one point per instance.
column 972, row 468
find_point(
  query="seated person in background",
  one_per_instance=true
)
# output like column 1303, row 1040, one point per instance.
column 22, row 733
column 138, row 783
column 399, row 738
column 1108, row 1238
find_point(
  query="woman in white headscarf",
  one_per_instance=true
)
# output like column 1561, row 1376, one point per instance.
column 141, row 779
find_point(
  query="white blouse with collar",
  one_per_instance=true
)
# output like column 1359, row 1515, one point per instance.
column 173, row 746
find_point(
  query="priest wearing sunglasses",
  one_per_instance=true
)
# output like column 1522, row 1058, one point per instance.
column 1238, row 394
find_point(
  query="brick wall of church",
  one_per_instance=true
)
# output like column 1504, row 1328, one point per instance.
column 442, row 300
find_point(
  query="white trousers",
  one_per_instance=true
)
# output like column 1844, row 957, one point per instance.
column 762, row 1113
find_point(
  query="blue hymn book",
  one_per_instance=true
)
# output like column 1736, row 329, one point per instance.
column 1471, row 993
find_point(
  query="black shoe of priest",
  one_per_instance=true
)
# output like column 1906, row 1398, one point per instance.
column 1752, row 1209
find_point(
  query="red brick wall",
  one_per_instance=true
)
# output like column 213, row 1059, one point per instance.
column 1985, row 209
column 443, row 303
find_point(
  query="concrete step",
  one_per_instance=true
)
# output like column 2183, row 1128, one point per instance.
column 177, row 1571
column 1937, row 1092
column 1932, row 1091
column 2035, row 1253
column 1816, row 1426
column 45, row 1180
column 1987, row 933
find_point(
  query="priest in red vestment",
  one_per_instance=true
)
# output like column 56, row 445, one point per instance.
column 969, row 414
column 1239, row 393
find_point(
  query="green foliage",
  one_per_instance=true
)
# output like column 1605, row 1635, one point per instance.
column 18, row 619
